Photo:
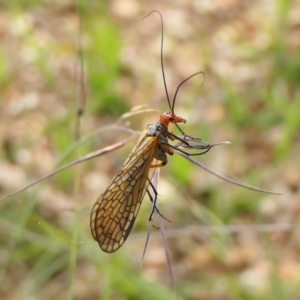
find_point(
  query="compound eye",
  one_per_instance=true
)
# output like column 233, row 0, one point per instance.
column 170, row 115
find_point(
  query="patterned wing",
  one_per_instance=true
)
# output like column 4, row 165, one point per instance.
column 115, row 211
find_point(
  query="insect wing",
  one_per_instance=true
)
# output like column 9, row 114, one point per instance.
column 115, row 211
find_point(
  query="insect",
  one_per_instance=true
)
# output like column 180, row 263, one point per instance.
column 114, row 213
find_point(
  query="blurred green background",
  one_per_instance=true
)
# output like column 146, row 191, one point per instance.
column 226, row 242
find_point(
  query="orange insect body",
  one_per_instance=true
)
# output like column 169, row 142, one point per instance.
column 115, row 211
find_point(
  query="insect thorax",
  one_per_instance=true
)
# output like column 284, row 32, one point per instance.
column 161, row 132
column 156, row 129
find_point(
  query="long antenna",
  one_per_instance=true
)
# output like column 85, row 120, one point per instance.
column 185, row 80
column 161, row 55
column 163, row 70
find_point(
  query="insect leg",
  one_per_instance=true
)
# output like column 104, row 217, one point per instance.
column 201, row 144
column 154, row 208
column 207, row 148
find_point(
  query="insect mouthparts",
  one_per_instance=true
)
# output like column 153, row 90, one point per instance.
column 179, row 120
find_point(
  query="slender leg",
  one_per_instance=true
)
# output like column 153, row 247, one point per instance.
column 154, row 208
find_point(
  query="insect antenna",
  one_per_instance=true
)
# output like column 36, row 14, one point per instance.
column 177, row 90
column 163, row 70
column 161, row 56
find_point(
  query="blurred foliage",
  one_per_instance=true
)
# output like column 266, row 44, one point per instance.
column 103, row 66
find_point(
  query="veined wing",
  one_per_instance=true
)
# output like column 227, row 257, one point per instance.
column 115, row 211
